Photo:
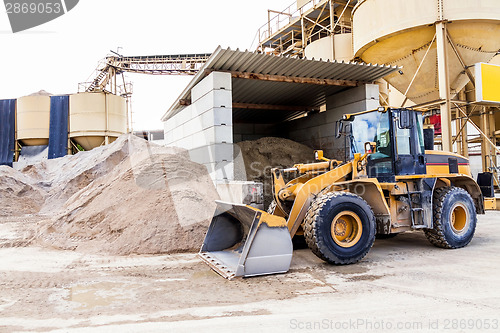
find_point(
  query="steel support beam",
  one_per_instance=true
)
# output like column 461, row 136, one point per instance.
column 493, row 138
column 481, row 133
column 485, row 149
column 417, row 71
column 461, row 60
column 444, row 86
column 293, row 79
column 272, row 107
column 332, row 22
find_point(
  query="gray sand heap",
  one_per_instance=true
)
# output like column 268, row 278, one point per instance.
column 127, row 197
column 261, row 155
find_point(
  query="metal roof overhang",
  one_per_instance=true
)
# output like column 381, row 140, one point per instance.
column 281, row 83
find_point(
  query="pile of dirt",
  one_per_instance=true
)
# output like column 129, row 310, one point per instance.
column 18, row 194
column 63, row 177
column 130, row 197
column 261, row 155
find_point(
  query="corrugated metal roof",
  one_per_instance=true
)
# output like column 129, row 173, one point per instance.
column 281, row 93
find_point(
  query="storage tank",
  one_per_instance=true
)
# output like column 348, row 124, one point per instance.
column 95, row 117
column 337, row 46
column 33, row 120
column 334, row 47
column 399, row 32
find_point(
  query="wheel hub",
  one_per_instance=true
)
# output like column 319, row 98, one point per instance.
column 340, row 228
column 459, row 218
column 346, row 229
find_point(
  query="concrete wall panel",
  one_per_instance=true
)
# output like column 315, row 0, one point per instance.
column 205, row 127
column 318, row 130
column 213, row 99
column 214, row 81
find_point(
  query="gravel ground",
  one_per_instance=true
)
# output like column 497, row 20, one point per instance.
column 404, row 284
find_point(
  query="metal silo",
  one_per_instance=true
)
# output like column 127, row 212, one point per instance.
column 96, row 118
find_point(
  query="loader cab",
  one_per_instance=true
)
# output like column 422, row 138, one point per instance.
column 398, row 138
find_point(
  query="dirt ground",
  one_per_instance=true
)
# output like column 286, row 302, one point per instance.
column 404, row 284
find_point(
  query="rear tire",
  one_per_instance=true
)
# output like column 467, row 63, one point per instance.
column 339, row 228
column 454, row 218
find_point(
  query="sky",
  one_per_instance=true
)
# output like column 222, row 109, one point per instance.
column 58, row 55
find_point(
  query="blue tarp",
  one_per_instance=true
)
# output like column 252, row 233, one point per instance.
column 7, row 131
column 58, row 135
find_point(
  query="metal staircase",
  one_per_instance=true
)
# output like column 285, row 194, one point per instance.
column 420, row 202
column 97, row 82
column 412, row 195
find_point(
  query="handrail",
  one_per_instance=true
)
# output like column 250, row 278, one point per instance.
column 290, row 15
column 291, row 12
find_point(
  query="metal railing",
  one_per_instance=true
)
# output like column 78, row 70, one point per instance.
column 122, row 90
column 107, row 70
column 281, row 20
column 182, row 64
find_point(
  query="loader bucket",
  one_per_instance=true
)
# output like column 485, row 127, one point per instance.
column 245, row 241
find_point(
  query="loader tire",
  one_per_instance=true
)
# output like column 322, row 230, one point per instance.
column 454, row 218
column 339, row 228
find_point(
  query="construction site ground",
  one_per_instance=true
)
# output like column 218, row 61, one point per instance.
column 404, row 284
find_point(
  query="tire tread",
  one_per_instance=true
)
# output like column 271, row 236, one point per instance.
column 313, row 239
column 436, row 235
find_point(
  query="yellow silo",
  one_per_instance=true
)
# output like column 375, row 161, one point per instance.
column 33, row 120
column 96, row 118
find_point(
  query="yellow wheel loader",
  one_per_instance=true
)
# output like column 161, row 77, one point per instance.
column 389, row 184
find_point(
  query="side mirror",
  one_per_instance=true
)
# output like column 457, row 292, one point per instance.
column 405, row 119
column 339, row 126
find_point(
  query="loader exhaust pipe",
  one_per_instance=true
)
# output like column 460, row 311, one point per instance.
column 245, row 241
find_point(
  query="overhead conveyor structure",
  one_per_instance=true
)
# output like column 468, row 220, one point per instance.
column 105, row 75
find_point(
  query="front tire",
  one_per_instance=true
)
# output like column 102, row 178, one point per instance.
column 454, row 218
column 340, row 228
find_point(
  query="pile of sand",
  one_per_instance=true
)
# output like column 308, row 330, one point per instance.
column 131, row 196
column 19, row 195
column 63, row 177
column 127, row 197
column 260, row 156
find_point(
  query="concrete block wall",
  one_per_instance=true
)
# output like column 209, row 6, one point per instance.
column 205, row 126
column 318, row 130
column 245, row 132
